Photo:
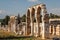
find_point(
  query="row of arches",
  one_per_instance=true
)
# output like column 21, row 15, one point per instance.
column 54, row 29
column 35, row 12
column 31, row 17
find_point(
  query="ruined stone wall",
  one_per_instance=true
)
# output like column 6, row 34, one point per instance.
column 54, row 29
column 12, row 24
column 28, row 23
column 36, row 12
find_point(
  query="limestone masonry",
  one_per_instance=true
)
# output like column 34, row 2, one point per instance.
column 43, row 27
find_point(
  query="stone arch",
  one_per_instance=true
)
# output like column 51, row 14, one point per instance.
column 38, row 13
column 38, row 19
column 51, row 28
column 30, row 17
column 32, row 14
column 28, row 22
column 32, row 20
column 33, row 10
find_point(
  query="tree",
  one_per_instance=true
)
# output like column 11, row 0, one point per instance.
column 18, row 19
column 51, row 15
column 54, row 16
column 23, row 18
column 3, row 22
column 7, row 18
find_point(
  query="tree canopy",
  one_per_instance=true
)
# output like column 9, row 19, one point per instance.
column 54, row 15
column 18, row 19
column 23, row 18
column 5, row 20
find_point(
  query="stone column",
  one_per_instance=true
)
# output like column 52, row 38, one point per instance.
column 37, row 16
column 35, row 30
column 32, row 28
column 24, row 29
column 9, row 26
column 53, row 30
column 32, row 23
column 57, row 30
column 28, row 26
column 0, row 25
column 43, row 31
column 45, row 22
column 13, row 25
column 26, row 22
column 50, row 29
column 43, row 25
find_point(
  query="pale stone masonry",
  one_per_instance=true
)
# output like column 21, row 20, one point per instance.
column 38, row 29
column 57, row 29
column 35, row 12
column 54, row 28
column 12, row 24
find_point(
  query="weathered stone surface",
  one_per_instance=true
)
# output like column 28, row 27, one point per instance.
column 35, row 11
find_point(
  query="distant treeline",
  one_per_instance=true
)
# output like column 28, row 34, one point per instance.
column 23, row 18
column 5, row 20
column 53, row 16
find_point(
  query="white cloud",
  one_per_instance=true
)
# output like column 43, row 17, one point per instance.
column 2, row 11
column 55, row 10
column 33, row 0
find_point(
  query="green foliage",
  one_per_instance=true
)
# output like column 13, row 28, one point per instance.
column 18, row 19
column 54, row 16
column 4, row 34
column 5, row 20
column 1, row 20
column 23, row 18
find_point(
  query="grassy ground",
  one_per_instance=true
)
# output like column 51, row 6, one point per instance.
column 27, row 39
column 6, row 34
column 12, row 36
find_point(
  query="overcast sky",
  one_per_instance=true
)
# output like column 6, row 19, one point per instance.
column 13, row 7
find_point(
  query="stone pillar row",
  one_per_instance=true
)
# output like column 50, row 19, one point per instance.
column 45, row 21
column 12, row 24
column 58, row 30
column 28, row 20
column 54, row 30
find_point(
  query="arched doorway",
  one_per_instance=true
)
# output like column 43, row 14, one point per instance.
column 38, row 15
column 28, row 29
column 32, row 20
column 32, row 14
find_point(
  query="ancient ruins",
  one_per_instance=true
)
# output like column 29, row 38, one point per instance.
column 39, row 28
column 42, row 27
